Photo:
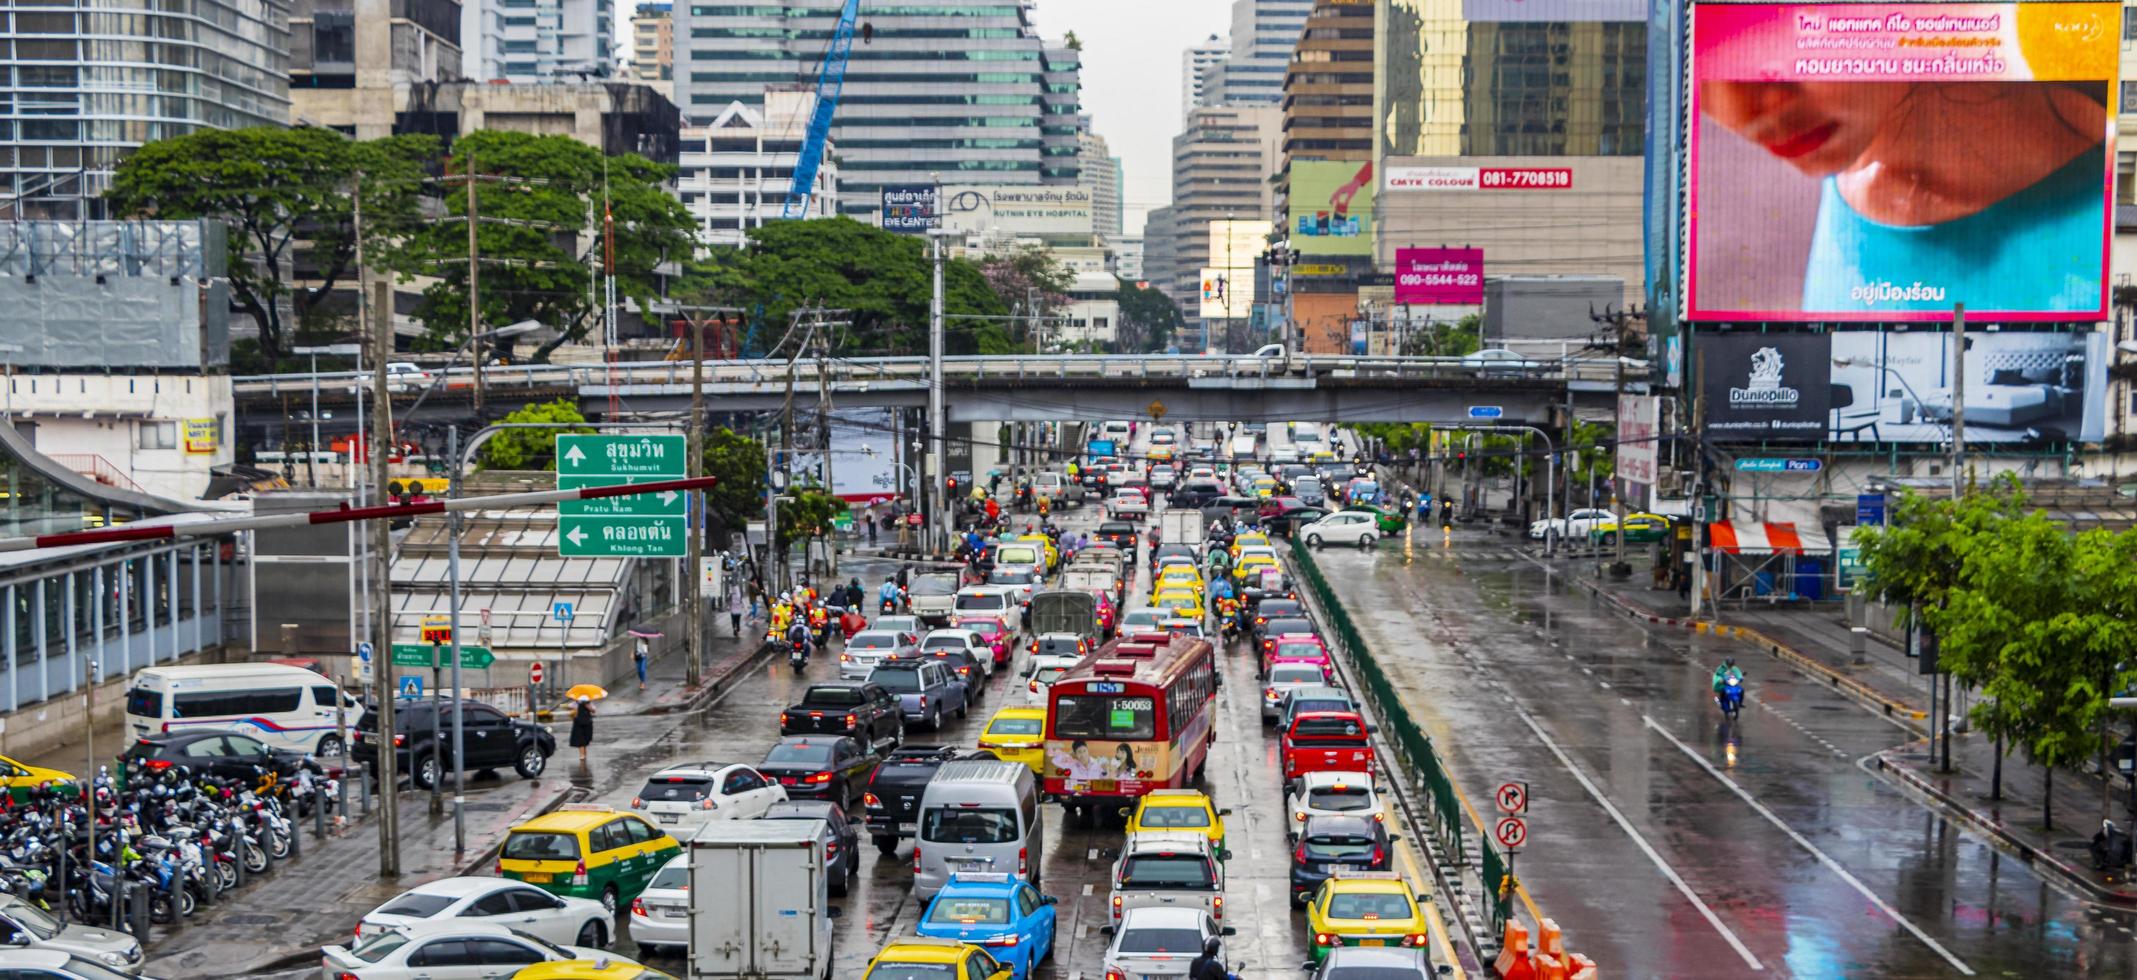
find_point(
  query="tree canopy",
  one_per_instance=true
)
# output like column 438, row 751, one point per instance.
column 738, row 462
column 1148, row 319
column 528, row 449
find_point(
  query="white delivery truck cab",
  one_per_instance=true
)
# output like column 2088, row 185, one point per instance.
column 759, row 902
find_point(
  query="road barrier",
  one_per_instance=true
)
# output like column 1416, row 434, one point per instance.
column 1419, row 759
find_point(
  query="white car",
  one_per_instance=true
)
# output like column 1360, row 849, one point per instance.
column 1128, row 505
column 47, row 963
column 692, row 795
column 1159, row 942
column 400, row 376
column 503, row 901
column 660, row 915
column 1045, row 668
column 1499, row 361
column 1145, row 620
column 869, row 648
column 961, row 639
column 990, row 600
column 1572, row 527
column 1283, row 679
column 1320, row 794
column 459, row 951
column 1341, row 527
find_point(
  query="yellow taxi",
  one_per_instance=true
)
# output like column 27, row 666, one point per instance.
column 1017, row 734
column 601, row 969
column 920, row 958
column 19, row 778
column 1053, row 551
column 1323, row 456
column 1159, row 454
column 1365, row 908
column 1641, row 528
column 1180, row 575
column 1247, row 538
column 1180, row 811
column 1252, row 565
column 1186, row 602
column 1265, row 486
column 586, row 850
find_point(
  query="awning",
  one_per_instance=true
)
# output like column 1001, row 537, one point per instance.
column 1768, row 539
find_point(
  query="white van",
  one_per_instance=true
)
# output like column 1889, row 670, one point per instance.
column 285, row 706
column 977, row 816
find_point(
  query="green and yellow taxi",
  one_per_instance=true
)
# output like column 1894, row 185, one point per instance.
column 1639, row 529
column 1185, row 603
column 1247, row 539
column 1251, row 565
column 605, row 968
column 1386, row 520
column 1053, row 551
column 1265, row 486
column 584, row 850
column 1180, row 811
column 19, row 778
column 921, row 958
column 1180, row 575
column 1365, row 908
column 1017, row 734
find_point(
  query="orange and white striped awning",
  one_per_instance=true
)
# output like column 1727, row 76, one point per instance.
column 1768, row 539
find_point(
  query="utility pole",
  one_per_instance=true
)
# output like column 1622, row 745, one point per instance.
column 823, row 427
column 694, row 556
column 474, row 304
column 1699, row 482
column 1958, row 488
column 938, row 527
column 382, row 439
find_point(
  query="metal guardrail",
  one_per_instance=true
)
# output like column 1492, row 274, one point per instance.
column 983, row 368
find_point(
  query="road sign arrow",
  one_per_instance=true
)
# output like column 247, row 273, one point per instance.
column 576, row 536
column 573, row 455
column 667, row 496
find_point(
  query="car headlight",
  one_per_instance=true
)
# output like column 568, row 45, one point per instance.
column 115, row 959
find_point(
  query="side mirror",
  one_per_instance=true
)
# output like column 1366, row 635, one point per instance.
column 1125, row 811
column 1394, row 838
column 1372, row 729
column 1105, row 930
column 17, row 939
column 1049, row 900
column 1228, row 931
column 831, row 912
column 1224, row 811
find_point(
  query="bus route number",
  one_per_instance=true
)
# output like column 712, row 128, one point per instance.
column 1105, row 687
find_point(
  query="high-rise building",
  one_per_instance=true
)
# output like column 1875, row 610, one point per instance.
column 1099, row 175
column 1220, row 169
column 1263, row 34
column 1127, row 257
column 90, row 83
column 1328, row 88
column 353, row 62
column 1195, row 65
column 958, row 91
column 736, row 171
column 653, row 44
column 525, row 41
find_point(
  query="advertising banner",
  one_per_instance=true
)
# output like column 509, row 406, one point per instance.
column 1022, row 210
column 1451, row 276
column 910, row 209
column 1331, row 207
column 1479, row 178
column 1554, row 11
column 1638, row 442
column 1884, row 161
column 1896, row 386
column 1236, row 243
column 1226, row 293
column 201, row 436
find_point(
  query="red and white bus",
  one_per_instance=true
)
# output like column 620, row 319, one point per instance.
column 1138, row 715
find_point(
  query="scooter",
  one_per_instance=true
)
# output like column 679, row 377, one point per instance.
column 1731, row 696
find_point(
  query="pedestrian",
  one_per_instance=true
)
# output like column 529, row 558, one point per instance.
column 872, row 521
column 736, row 603
column 638, row 660
column 582, row 727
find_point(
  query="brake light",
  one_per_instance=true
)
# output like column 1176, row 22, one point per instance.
column 1023, row 859
column 821, row 777
column 157, row 764
column 1272, row 695
column 1327, row 939
column 1034, row 687
column 871, row 799
column 1379, row 855
column 1116, row 907
column 1217, row 906
column 638, row 907
column 638, row 802
column 345, row 976
column 1415, row 940
column 578, row 874
column 400, row 740
column 845, row 658
column 1111, row 974
column 916, row 857
column 783, row 719
column 1299, row 816
column 852, row 720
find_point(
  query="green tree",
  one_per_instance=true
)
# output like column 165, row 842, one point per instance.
column 542, row 202
column 1029, row 280
column 807, row 514
column 1441, row 339
column 527, row 449
column 1148, row 318
column 738, row 462
column 279, row 189
column 882, row 279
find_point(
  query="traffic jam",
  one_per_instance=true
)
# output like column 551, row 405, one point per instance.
column 1109, row 741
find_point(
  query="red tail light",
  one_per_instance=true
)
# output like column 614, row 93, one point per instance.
column 871, row 799
column 1415, row 940
column 1116, row 908
column 783, row 719
column 157, row 765
column 638, row 803
column 1327, row 939
column 852, row 720
column 578, row 874
column 1379, row 855
column 820, row 777
column 1023, row 861
column 1217, row 907
column 400, row 740
column 1300, row 854
column 638, row 907
column 923, row 700
column 916, row 857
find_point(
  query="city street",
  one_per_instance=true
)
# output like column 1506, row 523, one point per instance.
column 1663, row 841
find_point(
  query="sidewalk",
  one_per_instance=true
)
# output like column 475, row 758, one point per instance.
column 666, row 692
column 316, row 898
column 1816, row 640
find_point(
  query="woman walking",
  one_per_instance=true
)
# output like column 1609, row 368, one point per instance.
column 582, row 727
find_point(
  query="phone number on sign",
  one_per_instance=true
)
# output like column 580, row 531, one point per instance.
column 1525, row 178
column 1438, row 279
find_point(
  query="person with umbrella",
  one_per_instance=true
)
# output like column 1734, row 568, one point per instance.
column 582, row 718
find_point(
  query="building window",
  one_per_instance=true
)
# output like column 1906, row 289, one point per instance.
column 156, row 435
column 2126, row 177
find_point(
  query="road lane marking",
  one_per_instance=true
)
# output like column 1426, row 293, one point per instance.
column 1645, row 848
column 1433, row 923
column 1822, row 857
column 1087, row 888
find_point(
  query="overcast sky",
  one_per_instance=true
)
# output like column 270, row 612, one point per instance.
column 1131, row 80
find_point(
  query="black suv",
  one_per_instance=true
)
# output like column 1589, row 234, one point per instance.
column 226, row 755
column 865, row 711
column 493, row 740
column 1195, row 493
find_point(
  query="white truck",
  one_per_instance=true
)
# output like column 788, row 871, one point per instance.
column 759, row 901
column 1181, row 525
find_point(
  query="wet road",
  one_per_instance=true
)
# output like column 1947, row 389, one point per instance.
column 1668, row 843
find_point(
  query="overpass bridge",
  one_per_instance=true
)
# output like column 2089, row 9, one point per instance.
column 1017, row 388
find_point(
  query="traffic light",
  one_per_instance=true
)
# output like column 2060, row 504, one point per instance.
column 953, row 485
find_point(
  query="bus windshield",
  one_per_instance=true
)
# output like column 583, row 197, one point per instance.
column 1104, row 716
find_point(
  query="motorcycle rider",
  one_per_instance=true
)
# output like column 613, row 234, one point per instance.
column 798, row 637
column 1209, row 965
column 1726, row 672
column 887, row 596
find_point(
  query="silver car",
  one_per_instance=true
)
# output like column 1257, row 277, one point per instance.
column 1159, row 942
column 25, row 926
column 869, row 648
column 660, row 916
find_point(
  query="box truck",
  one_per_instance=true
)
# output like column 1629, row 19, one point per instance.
column 759, row 901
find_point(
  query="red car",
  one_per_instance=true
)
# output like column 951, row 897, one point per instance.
column 1296, row 648
column 992, row 631
column 1327, row 741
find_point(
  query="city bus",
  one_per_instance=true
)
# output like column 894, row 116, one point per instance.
column 1138, row 715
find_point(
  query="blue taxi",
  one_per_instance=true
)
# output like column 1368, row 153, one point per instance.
column 998, row 911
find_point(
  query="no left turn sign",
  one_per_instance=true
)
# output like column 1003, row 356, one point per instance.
column 1511, row 832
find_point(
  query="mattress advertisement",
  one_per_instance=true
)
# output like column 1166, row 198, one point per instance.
column 1881, row 386
column 1883, row 162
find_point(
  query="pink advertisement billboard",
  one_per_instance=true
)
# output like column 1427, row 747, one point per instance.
column 1879, row 162
column 1439, row 276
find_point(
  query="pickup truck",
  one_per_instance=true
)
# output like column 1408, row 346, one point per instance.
column 1168, row 869
column 893, row 797
column 865, row 711
column 1327, row 741
column 927, row 690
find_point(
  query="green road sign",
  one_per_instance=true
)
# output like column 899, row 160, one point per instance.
column 419, row 655
column 621, row 537
column 667, row 503
column 649, row 456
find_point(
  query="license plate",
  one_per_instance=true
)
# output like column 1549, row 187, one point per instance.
column 668, row 817
column 786, row 780
column 1372, row 942
column 537, row 877
column 907, row 828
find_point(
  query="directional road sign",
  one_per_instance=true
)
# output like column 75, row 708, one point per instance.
column 419, row 655
column 363, row 652
column 1486, row 411
column 1512, row 797
column 654, row 525
column 1511, row 832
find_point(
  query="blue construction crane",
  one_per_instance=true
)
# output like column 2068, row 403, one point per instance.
column 830, row 81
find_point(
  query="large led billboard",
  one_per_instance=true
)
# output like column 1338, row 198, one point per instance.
column 1331, row 205
column 1885, row 161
